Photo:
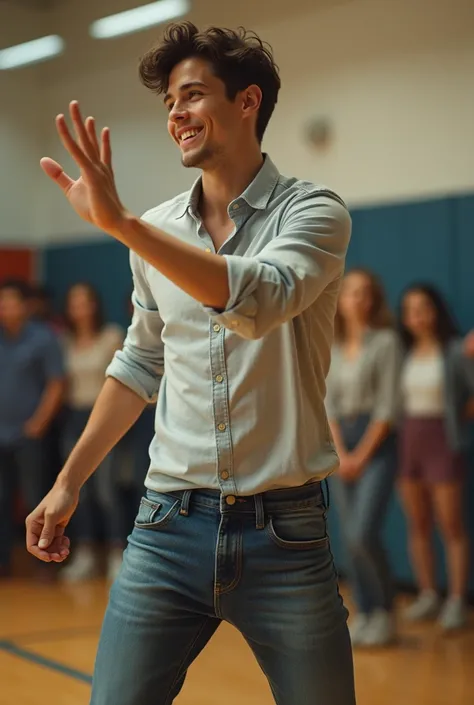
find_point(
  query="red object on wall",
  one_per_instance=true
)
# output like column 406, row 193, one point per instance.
column 17, row 263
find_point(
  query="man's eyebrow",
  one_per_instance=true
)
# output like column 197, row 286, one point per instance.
column 185, row 87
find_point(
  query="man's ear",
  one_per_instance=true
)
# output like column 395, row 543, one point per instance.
column 251, row 100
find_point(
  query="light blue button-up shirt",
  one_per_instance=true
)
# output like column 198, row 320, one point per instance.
column 241, row 392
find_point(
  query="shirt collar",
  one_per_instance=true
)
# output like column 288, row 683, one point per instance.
column 256, row 195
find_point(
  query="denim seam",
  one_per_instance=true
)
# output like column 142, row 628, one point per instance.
column 185, row 657
column 238, row 572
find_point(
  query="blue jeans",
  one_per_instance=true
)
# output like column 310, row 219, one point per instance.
column 21, row 468
column 362, row 507
column 263, row 564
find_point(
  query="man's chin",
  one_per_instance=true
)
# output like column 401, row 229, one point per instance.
column 195, row 159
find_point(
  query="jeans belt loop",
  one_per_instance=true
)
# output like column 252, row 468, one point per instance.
column 185, row 500
column 259, row 512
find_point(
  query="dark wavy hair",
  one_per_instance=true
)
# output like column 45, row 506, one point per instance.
column 238, row 57
column 445, row 325
column 98, row 321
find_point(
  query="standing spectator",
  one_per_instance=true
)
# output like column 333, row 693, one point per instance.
column 436, row 398
column 41, row 308
column 89, row 346
column 362, row 393
column 31, row 389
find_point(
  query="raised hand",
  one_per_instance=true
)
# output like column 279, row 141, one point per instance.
column 93, row 195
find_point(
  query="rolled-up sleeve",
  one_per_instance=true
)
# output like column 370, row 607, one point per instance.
column 139, row 364
column 387, row 380
column 291, row 271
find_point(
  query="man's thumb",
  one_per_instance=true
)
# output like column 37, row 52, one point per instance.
column 47, row 534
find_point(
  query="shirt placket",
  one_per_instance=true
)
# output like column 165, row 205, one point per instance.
column 220, row 401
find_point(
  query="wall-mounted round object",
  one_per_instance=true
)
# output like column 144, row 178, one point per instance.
column 318, row 132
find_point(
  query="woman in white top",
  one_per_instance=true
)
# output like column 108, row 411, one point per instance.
column 89, row 347
column 435, row 403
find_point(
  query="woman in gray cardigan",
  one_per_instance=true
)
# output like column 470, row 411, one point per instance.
column 437, row 399
column 362, row 404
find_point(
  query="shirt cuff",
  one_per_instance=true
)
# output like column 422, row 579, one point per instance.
column 241, row 310
column 134, row 377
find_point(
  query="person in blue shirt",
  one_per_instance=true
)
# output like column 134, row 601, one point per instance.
column 31, row 388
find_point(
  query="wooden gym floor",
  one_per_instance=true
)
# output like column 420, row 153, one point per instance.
column 48, row 638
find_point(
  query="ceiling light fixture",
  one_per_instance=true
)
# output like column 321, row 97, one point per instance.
column 138, row 18
column 31, row 52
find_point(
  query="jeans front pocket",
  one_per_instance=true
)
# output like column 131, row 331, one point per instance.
column 299, row 529
column 154, row 514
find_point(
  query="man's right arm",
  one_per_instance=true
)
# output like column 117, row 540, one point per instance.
column 133, row 380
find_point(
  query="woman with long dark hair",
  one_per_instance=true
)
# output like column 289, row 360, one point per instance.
column 362, row 396
column 89, row 347
column 435, row 405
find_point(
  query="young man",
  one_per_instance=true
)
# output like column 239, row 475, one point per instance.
column 235, row 294
column 31, row 386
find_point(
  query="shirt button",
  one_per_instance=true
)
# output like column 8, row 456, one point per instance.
column 216, row 327
column 230, row 500
column 225, row 475
column 235, row 207
column 222, row 427
column 208, row 249
column 219, row 378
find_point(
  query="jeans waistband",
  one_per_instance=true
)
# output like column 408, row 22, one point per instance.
column 274, row 500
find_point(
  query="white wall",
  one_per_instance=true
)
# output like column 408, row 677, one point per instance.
column 21, row 129
column 395, row 77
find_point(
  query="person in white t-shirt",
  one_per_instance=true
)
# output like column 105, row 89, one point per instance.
column 89, row 347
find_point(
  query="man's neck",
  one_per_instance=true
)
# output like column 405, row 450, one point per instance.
column 226, row 182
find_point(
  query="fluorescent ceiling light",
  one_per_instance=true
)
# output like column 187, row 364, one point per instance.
column 31, row 52
column 138, row 18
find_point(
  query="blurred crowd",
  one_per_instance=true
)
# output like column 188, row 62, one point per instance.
column 52, row 368
column 400, row 398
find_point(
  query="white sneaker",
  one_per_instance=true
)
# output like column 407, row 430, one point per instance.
column 357, row 628
column 426, row 606
column 380, row 630
column 454, row 614
column 114, row 563
column 82, row 567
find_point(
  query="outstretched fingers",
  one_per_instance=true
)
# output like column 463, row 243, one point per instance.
column 79, row 156
column 106, row 148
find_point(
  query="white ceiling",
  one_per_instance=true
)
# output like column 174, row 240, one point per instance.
column 22, row 20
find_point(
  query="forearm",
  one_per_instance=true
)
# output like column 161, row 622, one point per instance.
column 375, row 434
column 337, row 437
column 49, row 403
column 115, row 411
column 200, row 274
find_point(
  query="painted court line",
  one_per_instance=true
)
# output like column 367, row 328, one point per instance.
column 30, row 656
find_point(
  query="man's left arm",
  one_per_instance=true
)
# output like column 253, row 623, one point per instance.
column 254, row 295
column 53, row 393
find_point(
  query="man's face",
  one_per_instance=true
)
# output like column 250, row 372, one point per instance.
column 202, row 121
column 13, row 309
